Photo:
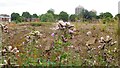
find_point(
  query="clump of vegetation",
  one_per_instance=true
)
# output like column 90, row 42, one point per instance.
column 40, row 23
column 35, row 24
column 93, row 27
column 103, row 27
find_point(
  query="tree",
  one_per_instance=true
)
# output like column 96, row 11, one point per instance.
column 73, row 17
column 117, row 16
column 48, row 17
column 84, row 15
column 51, row 11
column 63, row 15
column 56, row 17
column 16, row 17
column 105, row 15
column 92, row 14
column 26, row 15
column 34, row 16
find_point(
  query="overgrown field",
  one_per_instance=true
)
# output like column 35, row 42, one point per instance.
column 40, row 44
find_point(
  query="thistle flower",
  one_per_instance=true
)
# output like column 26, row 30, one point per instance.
column 53, row 34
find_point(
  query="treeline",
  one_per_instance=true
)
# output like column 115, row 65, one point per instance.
column 50, row 16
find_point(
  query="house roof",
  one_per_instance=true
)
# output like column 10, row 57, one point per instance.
column 4, row 16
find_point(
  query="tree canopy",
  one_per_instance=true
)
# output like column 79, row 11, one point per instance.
column 51, row 11
column 26, row 15
column 73, row 17
column 105, row 15
column 48, row 17
column 34, row 16
column 63, row 16
column 16, row 17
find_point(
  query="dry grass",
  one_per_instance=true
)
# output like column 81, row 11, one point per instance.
column 76, row 55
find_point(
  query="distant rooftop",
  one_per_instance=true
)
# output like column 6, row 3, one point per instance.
column 94, row 10
column 79, row 6
column 4, row 16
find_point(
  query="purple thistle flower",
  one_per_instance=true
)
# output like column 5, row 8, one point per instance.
column 53, row 34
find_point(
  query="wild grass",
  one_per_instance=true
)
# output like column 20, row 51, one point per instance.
column 46, row 50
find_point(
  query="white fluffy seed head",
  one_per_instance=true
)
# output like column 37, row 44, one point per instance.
column 5, row 61
column 15, row 48
column 4, row 50
column 17, row 51
column 102, row 38
column 68, row 23
column 89, row 33
column 107, row 37
column 71, row 31
column 99, row 46
column 71, row 46
column 40, row 45
column 86, row 44
column 9, row 48
column 115, row 48
column 115, row 41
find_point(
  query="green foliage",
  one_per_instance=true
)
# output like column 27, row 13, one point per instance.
column 73, row 17
column 51, row 11
column 86, row 15
column 117, row 17
column 48, row 17
column 103, row 28
column 93, row 27
column 56, row 16
column 34, row 16
column 26, row 15
column 16, row 17
column 105, row 15
column 92, row 14
column 63, row 16
column 35, row 24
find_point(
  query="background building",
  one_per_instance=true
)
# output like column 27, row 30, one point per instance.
column 5, row 18
column 94, row 11
column 119, row 7
column 78, row 10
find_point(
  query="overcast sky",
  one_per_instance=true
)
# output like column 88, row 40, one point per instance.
column 41, row 6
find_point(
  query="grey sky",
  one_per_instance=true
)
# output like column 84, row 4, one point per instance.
column 41, row 6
